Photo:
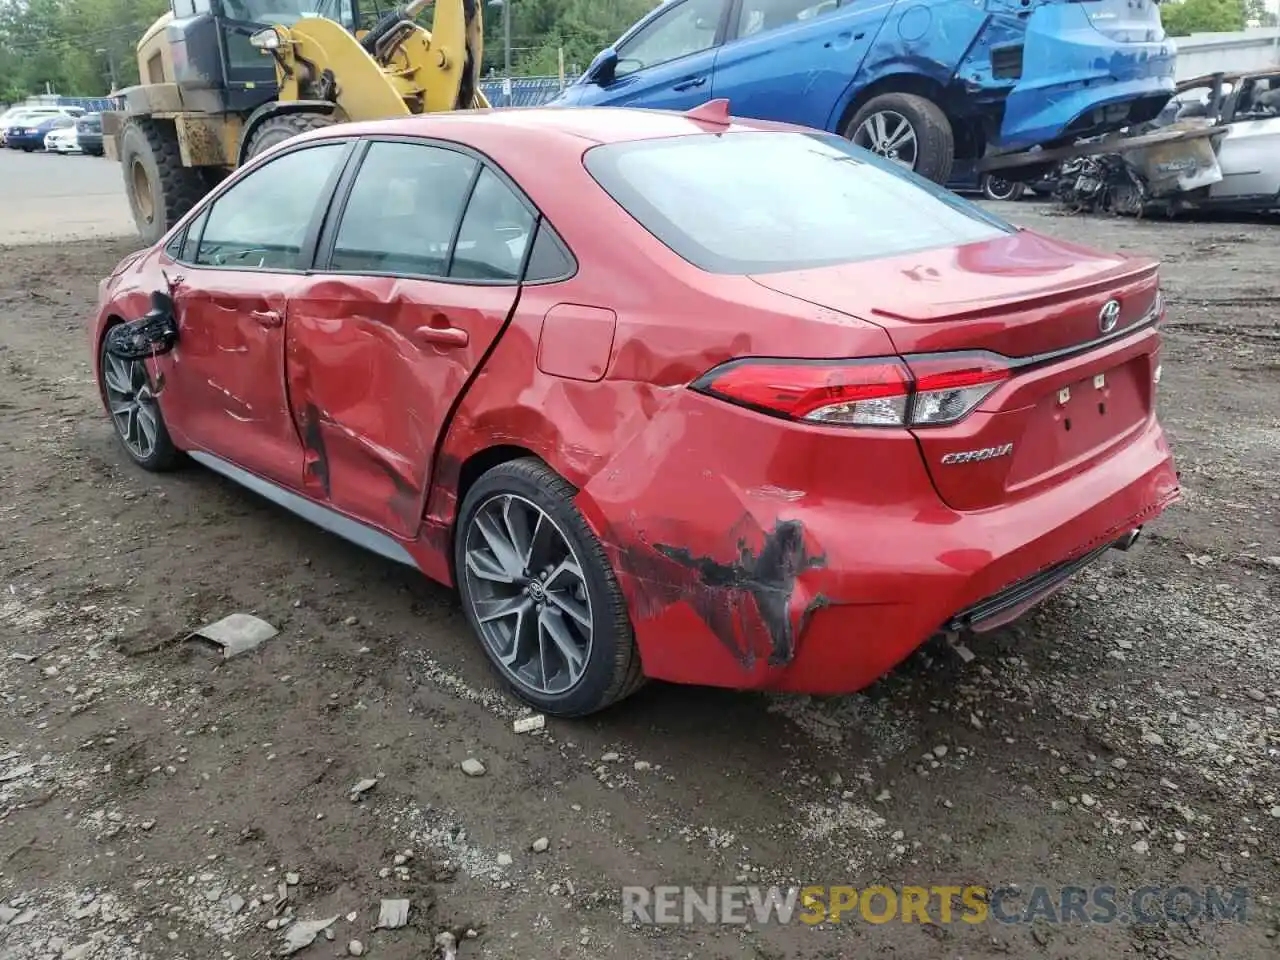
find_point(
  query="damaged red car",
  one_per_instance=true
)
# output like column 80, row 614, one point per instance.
column 664, row 395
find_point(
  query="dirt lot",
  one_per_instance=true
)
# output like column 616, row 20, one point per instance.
column 1126, row 734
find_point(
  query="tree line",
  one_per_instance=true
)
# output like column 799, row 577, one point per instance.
column 78, row 47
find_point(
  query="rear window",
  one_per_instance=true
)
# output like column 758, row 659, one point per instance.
column 762, row 202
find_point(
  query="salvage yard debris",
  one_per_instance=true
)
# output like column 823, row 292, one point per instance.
column 303, row 933
column 235, row 634
column 393, row 914
column 529, row 724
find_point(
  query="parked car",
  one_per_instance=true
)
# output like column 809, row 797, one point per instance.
column 655, row 410
column 31, row 116
column 62, row 140
column 922, row 82
column 966, row 179
column 1248, row 105
column 89, row 133
column 28, row 135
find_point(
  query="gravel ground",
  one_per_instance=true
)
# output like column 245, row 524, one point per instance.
column 155, row 802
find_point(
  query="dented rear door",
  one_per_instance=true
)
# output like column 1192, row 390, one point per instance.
column 383, row 340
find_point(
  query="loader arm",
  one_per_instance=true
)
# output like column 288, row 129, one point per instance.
column 418, row 71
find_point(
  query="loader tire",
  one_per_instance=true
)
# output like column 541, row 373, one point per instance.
column 283, row 126
column 932, row 143
column 159, row 187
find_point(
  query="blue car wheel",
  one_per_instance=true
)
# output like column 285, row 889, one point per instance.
column 907, row 129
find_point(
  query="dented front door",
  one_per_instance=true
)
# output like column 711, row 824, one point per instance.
column 226, row 375
column 248, row 251
column 420, row 277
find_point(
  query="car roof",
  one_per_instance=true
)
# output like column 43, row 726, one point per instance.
column 527, row 127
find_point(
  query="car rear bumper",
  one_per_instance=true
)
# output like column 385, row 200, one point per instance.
column 799, row 566
column 1070, row 69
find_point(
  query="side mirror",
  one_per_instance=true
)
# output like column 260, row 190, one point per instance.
column 161, row 303
column 602, row 70
column 152, row 334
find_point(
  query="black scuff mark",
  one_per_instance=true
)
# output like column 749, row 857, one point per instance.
column 745, row 604
column 403, row 502
column 313, row 441
column 821, row 601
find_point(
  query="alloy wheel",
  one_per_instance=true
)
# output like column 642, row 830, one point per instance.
column 890, row 135
column 132, row 404
column 1000, row 189
column 528, row 594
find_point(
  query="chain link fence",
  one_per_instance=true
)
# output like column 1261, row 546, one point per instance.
column 523, row 91
column 520, row 92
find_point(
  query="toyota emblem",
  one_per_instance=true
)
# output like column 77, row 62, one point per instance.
column 1109, row 316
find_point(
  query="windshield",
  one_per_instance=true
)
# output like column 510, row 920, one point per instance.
column 286, row 12
column 761, row 202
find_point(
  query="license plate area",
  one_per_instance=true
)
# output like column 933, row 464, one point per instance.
column 1080, row 421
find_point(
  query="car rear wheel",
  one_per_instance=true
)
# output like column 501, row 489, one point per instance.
column 135, row 413
column 909, row 130
column 538, row 591
column 997, row 188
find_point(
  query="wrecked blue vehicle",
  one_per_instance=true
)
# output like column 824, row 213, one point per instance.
column 928, row 83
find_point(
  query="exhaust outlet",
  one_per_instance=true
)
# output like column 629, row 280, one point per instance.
column 1129, row 539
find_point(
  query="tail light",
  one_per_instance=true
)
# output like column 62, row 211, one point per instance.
column 915, row 391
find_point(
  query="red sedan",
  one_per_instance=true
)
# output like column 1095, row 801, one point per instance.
column 664, row 395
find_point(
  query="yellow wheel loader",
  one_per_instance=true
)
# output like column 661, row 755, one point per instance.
column 223, row 80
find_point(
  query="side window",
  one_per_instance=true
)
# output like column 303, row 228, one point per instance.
column 262, row 221
column 549, row 259
column 174, row 247
column 494, row 233
column 402, row 210
column 759, row 16
column 188, row 252
column 687, row 28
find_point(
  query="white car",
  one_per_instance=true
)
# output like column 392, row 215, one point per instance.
column 63, row 140
column 1248, row 105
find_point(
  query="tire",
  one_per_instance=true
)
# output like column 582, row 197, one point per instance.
column 28, row 149
column 159, row 187
column 283, row 126
column 935, row 142
column 161, row 455
column 997, row 188
column 610, row 669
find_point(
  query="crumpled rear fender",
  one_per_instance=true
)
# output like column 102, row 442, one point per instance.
column 728, row 535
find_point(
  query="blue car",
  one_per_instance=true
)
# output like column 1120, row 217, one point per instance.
column 31, row 137
column 926, row 83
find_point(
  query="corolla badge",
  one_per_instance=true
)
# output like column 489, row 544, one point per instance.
column 973, row 456
column 1109, row 316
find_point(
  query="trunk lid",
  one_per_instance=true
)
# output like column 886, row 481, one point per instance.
column 1125, row 21
column 1080, row 385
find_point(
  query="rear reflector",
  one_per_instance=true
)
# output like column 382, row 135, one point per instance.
column 927, row 390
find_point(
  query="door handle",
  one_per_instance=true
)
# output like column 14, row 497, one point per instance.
column 267, row 318
column 690, row 83
column 442, row 336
